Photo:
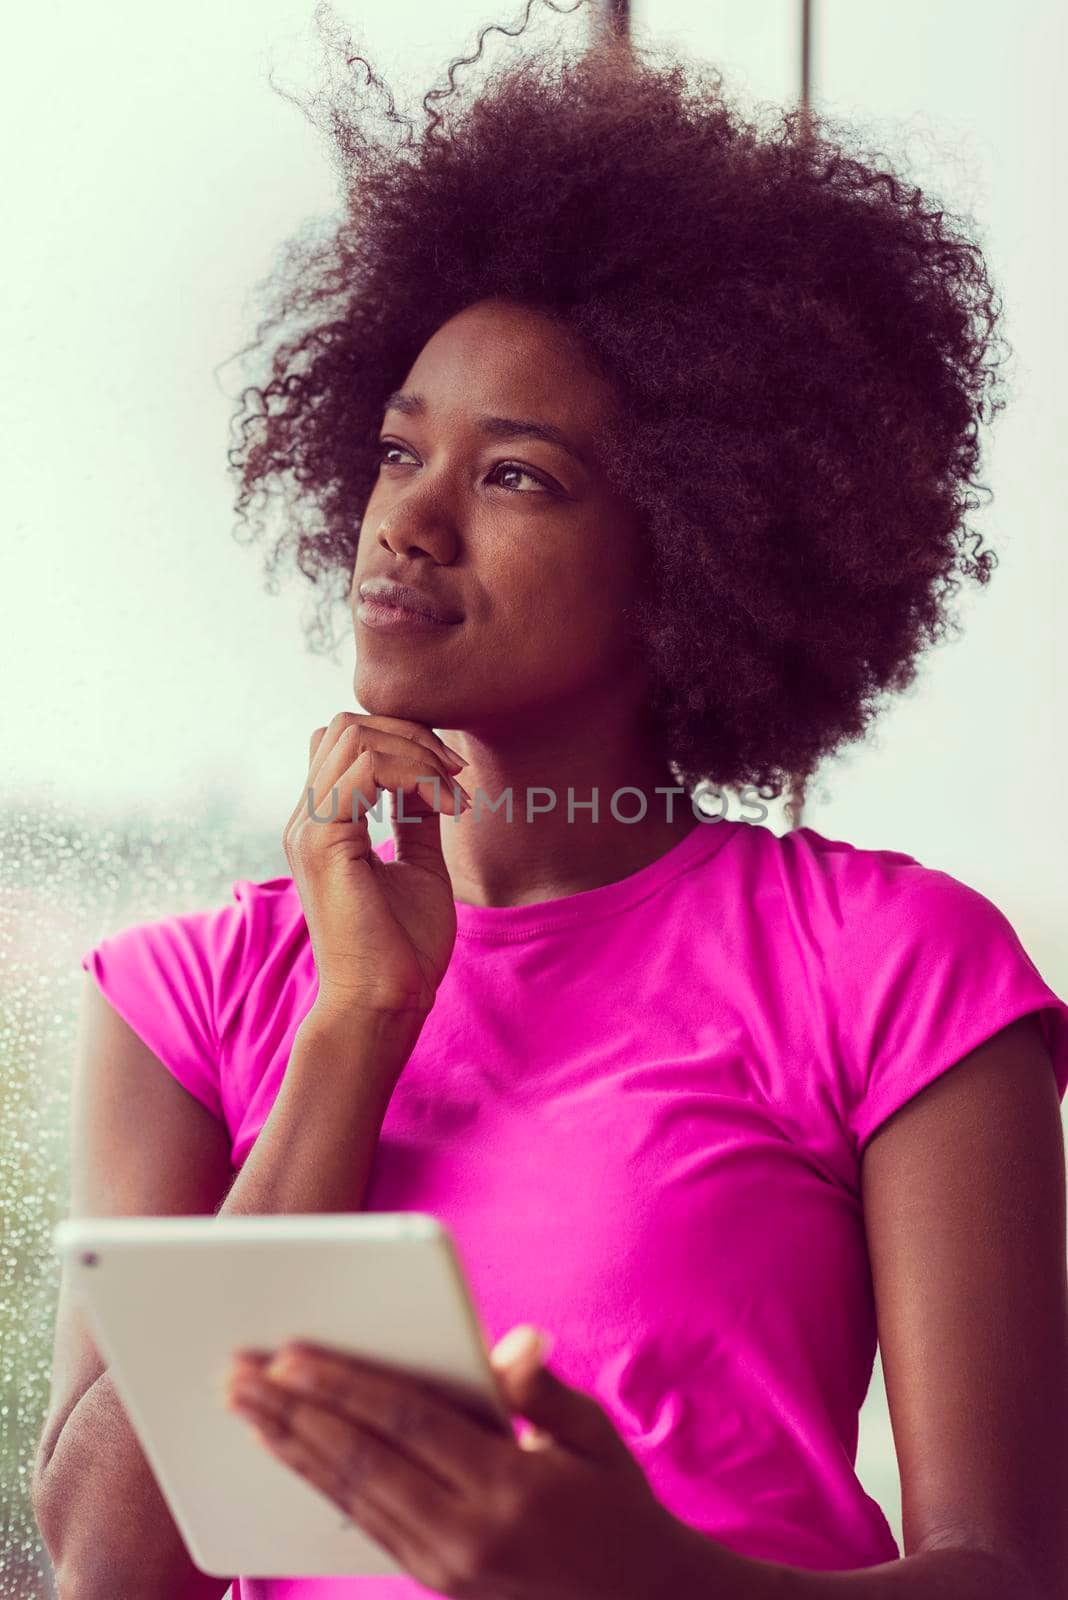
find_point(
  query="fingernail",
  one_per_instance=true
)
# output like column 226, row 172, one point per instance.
column 270, row 1430
column 288, row 1368
column 249, row 1387
column 522, row 1340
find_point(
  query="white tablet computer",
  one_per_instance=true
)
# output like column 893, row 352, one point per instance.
column 169, row 1300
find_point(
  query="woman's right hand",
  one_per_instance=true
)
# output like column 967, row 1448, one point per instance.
column 382, row 932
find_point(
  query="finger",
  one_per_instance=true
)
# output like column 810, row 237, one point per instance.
column 345, row 769
column 414, row 730
column 392, row 758
column 354, row 791
column 535, row 1438
column 344, row 725
column 394, row 728
column 302, row 1456
column 447, row 1440
column 318, row 741
column 337, row 725
column 451, row 750
column 336, row 746
column 573, row 1419
column 418, row 843
column 363, row 1465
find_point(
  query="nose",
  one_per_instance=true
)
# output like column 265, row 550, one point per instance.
column 408, row 538
column 420, row 524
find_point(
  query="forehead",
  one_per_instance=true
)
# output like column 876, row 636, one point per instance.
column 506, row 356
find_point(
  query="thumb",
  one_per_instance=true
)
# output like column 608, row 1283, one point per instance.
column 566, row 1415
column 416, row 829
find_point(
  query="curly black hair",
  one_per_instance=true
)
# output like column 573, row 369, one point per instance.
column 803, row 345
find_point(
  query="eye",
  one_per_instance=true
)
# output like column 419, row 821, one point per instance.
column 385, row 445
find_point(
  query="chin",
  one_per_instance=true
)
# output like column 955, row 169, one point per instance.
column 400, row 693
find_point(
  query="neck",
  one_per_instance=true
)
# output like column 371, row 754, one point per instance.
column 494, row 861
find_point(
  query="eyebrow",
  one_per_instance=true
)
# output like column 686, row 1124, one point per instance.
column 414, row 405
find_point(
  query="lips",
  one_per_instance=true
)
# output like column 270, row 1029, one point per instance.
column 406, row 597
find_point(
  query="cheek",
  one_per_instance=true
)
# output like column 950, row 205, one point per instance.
column 539, row 628
column 556, row 647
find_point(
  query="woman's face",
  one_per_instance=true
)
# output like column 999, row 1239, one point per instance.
column 517, row 536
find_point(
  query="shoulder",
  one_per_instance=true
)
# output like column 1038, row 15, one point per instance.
column 211, row 937
column 901, row 968
column 919, row 969
column 193, row 967
column 843, row 891
column 190, row 982
column 882, row 905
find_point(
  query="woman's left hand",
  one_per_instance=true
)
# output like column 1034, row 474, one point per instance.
column 565, row 1514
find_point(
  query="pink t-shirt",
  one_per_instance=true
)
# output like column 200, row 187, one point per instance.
column 639, row 1110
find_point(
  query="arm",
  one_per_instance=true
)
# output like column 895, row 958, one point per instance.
column 964, row 1206
column 316, row 1149
column 314, row 1153
column 89, row 1463
column 955, row 1574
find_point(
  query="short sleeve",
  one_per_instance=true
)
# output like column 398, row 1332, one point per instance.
column 170, row 980
column 922, row 974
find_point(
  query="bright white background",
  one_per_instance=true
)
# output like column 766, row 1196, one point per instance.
column 152, row 174
column 159, row 173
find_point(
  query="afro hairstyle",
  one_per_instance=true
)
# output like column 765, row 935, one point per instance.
column 802, row 343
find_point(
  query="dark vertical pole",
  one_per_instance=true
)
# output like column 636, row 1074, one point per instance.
column 806, row 64
column 612, row 22
column 796, row 791
column 806, row 48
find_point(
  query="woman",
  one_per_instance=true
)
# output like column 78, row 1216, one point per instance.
column 669, row 424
